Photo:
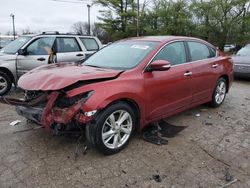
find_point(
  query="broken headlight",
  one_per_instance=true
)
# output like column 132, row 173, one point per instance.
column 63, row 101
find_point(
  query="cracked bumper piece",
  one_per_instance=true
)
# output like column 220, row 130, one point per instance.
column 30, row 113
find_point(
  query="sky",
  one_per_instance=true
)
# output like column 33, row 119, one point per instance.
column 44, row 15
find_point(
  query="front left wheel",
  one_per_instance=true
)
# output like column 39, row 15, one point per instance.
column 112, row 129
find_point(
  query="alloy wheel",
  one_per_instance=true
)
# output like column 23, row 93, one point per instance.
column 220, row 92
column 3, row 84
column 117, row 129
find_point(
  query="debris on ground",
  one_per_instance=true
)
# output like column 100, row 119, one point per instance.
column 157, row 132
column 229, row 183
column 228, row 176
column 208, row 123
column 16, row 122
column 157, row 178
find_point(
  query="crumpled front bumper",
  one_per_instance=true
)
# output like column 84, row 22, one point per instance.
column 49, row 114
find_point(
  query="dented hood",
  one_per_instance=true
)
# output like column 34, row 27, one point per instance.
column 59, row 76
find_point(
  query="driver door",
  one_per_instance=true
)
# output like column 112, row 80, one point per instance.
column 170, row 90
column 36, row 54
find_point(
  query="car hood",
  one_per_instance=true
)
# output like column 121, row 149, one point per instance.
column 241, row 59
column 61, row 75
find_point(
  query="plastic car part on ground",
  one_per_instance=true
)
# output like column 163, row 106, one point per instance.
column 157, row 132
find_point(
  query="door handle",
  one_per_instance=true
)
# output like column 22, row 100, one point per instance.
column 215, row 65
column 41, row 59
column 79, row 55
column 188, row 73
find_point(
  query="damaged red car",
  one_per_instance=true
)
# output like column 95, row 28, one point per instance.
column 124, row 87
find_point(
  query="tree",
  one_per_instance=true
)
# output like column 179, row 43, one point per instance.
column 81, row 28
column 217, row 18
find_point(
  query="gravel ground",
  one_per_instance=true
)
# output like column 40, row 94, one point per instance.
column 215, row 144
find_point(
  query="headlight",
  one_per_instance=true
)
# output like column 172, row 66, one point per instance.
column 63, row 101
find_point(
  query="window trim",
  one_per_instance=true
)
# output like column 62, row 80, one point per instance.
column 180, row 40
column 56, row 47
column 98, row 47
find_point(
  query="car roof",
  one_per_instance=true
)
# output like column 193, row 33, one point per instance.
column 160, row 38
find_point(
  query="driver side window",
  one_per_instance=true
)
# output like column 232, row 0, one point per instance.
column 41, row 46
column 173, row 52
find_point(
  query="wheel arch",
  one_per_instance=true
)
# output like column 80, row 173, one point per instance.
column 9, row 73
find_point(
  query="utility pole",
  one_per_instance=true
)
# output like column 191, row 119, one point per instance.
column 137, row 23
column 88, row 18
column 13, row 23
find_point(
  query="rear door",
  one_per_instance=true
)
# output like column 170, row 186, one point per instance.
column 205, row 67
column 68, row 49
column 171, row 90
column 37, row 54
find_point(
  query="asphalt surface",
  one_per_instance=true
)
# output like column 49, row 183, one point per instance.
column 214, row 150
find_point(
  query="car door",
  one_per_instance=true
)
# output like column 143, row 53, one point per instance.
column 204, row 69
column 35, row 54
column 90, row 45
column 68, row 49
column 168, row 91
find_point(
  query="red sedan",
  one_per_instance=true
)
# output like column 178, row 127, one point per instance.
column 125, row 86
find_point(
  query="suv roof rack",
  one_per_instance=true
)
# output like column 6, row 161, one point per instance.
column 57, row 33
column 50, row 33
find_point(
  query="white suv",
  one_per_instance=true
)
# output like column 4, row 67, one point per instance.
column 30, row 51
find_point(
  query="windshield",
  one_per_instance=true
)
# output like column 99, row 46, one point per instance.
column 244, row 51
column 121, row 55
column 15, row 45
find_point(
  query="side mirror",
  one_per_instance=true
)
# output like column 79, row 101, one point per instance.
column 159, row 65
column 22, row 52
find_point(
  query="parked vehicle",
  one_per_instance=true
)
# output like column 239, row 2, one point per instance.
column 4, row 40
column 242, row 62
column 229, row 47
column 144, row 80
column 31, row 51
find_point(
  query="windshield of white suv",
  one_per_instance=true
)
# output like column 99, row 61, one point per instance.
column 121, row 55
column 244, row 51
column 15, row 45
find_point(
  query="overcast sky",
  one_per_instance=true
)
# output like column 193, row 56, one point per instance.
column 43, row 15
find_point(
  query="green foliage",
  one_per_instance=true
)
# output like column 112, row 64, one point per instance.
column 218, row 21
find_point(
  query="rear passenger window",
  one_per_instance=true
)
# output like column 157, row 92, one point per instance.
column 67, row 44
column 90, row 44
column 174, row 53
column 198, row 51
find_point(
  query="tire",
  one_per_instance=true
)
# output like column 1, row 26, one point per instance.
column 107, row 134
column 219, row 93
column 5, row 83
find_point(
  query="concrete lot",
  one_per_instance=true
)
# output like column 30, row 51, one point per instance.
column 196, row 157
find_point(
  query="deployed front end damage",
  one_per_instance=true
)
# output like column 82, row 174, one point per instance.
column 55, row 95
column 53, row 109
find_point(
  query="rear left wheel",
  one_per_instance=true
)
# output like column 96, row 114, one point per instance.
column 112, row 129
column 219, row 93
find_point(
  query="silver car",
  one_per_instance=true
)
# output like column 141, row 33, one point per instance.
column 31, row 51
column 242, row 62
